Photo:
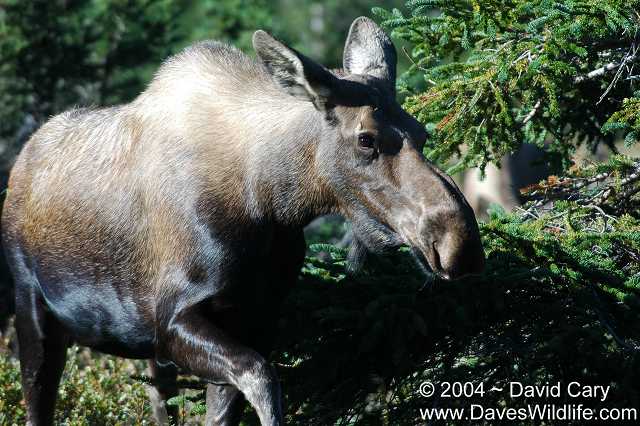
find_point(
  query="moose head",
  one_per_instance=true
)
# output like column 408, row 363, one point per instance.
column 370, row 153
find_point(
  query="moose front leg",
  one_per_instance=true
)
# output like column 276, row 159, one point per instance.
column 224, row 405
column 193, row 342
column 163, row 389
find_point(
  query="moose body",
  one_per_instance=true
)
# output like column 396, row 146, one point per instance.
column 170, row 228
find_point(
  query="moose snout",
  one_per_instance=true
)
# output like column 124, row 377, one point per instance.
column 451, row 253
column 457, row 257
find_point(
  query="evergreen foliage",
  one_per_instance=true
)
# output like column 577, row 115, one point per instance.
column 495, row 74
column 57, row 54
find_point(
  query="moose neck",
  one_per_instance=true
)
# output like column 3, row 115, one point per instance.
column 255, row 146
column 284, row 183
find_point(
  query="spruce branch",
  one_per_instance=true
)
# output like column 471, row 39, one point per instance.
column 600, row 192
column 505, row 70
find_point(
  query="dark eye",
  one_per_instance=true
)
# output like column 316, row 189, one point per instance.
column 366, row 140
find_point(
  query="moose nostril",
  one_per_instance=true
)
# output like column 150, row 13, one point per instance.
column 436, row 257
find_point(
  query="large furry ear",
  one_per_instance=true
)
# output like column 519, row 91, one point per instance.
column 295, row 73
column 368, row 50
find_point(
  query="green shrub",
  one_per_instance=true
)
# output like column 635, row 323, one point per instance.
column 95, row 390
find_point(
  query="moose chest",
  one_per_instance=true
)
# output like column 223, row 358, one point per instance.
column 240, row 283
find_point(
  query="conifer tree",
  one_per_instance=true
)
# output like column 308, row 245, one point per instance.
column 488, row 76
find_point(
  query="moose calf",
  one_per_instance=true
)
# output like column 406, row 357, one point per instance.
column 170, row 228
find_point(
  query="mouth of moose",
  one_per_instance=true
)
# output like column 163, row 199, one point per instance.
column 380, row 236
column 426, row 255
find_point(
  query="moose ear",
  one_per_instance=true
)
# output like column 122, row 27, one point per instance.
column 368, row 50
column 294, row 72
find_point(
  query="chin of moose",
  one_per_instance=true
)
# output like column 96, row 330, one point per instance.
column 170, row 228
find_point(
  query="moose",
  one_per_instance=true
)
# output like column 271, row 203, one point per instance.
column 170, row 228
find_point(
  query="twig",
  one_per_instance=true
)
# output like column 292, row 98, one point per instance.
column 569, row 188
column 602, row 197
column 404, row 49
column 531, row 113
column 629, row 56
column 526, row 53
column 527, row 212
column 597, row 72
column 602, row 212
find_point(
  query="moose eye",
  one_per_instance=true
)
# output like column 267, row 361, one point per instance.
column 366, row 141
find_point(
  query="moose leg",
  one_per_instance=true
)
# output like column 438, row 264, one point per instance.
column 224, row 405
column 194, row 343
column 42, row 348
column 164, row 388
